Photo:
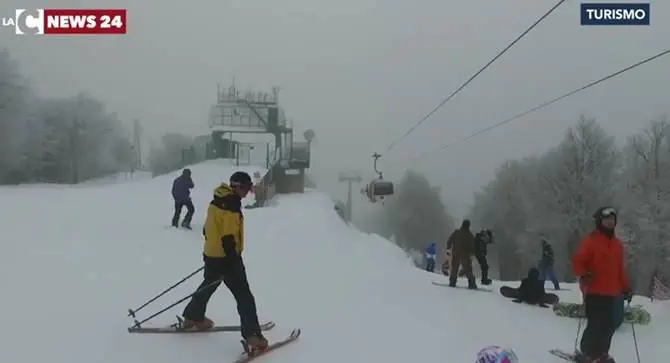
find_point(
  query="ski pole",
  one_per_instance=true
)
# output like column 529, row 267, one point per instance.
column 132, row 312
column 632, row 326
column 579, row 328
column 139, row 323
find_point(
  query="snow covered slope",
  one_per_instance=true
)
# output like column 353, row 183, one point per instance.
column 73, row 260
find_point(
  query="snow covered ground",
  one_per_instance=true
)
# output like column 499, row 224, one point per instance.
column 73, row 260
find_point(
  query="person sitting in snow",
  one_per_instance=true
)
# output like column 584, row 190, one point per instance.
column 532, row 290
column 431, row 254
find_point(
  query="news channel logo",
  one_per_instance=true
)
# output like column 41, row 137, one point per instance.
column 615, row 13
column 26, row 21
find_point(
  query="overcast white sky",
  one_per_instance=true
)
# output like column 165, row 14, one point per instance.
column 360, row 72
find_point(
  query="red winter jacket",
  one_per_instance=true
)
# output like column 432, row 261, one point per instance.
column 602, row 257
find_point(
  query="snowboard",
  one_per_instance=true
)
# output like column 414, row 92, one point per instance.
column 248, row 356
column 175, row 328
column 512, row 293
column 446, row 284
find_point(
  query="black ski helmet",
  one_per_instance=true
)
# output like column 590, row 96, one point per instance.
column 604, row 212
column 240, row 178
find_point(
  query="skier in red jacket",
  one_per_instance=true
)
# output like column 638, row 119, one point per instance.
column 599, row 264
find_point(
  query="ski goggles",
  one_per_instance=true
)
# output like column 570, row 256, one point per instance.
column 608, row 212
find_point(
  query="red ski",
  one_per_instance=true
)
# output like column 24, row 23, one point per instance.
column 247, row 356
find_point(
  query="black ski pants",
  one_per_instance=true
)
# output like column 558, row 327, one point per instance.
column 231, row 271
column 600, row 327
column 483, row 265
column 178, row 206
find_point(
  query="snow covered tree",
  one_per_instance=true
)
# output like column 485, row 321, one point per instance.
column 580, row 176
column 14, row 98
column 645, row 183
column 54, row 140
column 502, row 207
column 550, row 197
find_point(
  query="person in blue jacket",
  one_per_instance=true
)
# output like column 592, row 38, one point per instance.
column 431, row 254
column 181, row 193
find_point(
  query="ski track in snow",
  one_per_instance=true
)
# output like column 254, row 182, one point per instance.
column 74, row 259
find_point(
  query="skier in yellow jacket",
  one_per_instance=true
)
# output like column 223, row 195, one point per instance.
column 222, row 254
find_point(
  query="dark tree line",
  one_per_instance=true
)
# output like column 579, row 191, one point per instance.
column 414, row 216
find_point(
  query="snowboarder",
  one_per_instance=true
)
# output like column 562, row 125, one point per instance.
column 431, row 254
column 532, row 290
column 482, row 240
column 181, row 193
column 599, row 264
column 546, row 265
column 462, row 244
column 224, row 242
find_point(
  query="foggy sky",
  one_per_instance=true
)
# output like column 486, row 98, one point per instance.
column 360, row 72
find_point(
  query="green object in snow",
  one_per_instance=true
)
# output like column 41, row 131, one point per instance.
column 631, row 314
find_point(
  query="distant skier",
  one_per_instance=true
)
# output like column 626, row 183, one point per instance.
column 224, row 242
column 599, row 264
column 461, row 242
column 532, row 290
column 181, row 193
column 430, row 256
column 546, row 265
column 482, row 240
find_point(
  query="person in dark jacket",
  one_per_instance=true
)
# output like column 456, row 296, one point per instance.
column 181, row 193
column 482, row 240
column 461, row 242
column 546, row 265
column 532, row 290
column 222, row 254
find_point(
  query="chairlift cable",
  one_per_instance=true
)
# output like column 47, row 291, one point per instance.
column 475, row 75
column 538, row 107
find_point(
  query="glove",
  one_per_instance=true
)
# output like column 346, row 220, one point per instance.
column 586, row 278
column 228, row 243
column 628, row 295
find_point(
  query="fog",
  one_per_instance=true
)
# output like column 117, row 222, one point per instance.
column 360, row 73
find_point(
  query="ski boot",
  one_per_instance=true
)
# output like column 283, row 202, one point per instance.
column 255, row 344
column 581, row 358
column 452, row 283
column 186, row 226
column 472, row 285
column 201, row 325
column 486, row 281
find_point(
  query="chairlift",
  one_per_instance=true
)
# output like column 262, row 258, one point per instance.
column 378, row 188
